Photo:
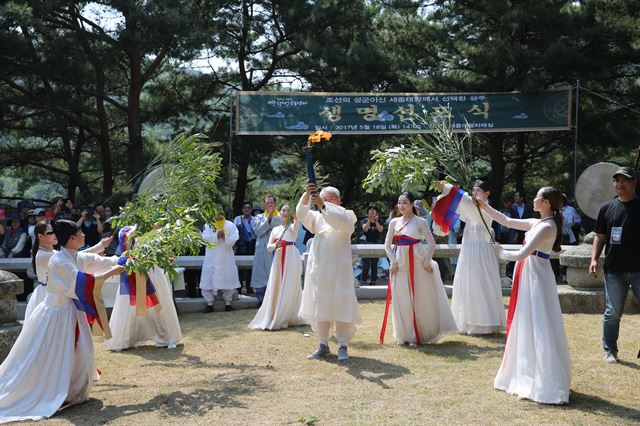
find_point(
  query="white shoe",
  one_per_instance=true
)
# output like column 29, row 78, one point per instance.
column 610, row 358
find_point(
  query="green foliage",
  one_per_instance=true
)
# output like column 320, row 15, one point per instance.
column 308, row 420
column 169, row 214
column 428, row 157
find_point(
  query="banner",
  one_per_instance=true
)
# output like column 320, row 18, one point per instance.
column 300, row 113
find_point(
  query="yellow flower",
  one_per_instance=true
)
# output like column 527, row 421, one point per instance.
column 219, row 224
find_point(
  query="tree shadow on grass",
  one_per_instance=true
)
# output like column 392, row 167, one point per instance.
column 371, row 369
column 458, row 350
column 177, row 358
column 224, row 392
column 593, row 404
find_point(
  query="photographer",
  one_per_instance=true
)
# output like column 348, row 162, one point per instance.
column 372, row 230
column 91, row 226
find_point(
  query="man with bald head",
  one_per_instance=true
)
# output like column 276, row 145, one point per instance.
column 329, row 297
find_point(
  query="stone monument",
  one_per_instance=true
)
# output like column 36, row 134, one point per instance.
column 10, row 285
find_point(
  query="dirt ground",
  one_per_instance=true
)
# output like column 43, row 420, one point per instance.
column 226, row 374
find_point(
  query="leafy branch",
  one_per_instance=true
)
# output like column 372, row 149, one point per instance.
column 169, row 214
column 425, row 159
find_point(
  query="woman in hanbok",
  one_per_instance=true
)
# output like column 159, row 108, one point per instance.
column 536, row 363
column 41, row 253
column 419, row 304
column 52, row 362
column 219, row 270
column 476, row 302
column 284, row 291
column 158, row 320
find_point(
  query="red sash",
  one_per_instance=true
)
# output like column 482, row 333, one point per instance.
column 284, row 245
column 403, row 240
column 513, row 300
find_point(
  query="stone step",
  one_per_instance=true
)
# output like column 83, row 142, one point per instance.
column 571, row 300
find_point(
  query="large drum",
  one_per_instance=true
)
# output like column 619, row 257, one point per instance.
column 595, row 187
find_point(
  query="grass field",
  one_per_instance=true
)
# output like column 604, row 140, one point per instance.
column 230, row 375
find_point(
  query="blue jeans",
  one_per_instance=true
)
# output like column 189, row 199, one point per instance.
column 369, row 265
column 616, row 287
column 260, row 291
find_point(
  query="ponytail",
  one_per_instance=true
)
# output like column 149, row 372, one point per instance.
column 40, row 228
column 34, row 251
column 557, row 216
column 554, row 196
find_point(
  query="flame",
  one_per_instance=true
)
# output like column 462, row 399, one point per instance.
column 318, row 136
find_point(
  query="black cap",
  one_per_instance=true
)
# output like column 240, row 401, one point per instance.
column 627, row 172
column 26, row 203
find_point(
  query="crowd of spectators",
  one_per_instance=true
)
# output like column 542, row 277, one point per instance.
column 17, row 224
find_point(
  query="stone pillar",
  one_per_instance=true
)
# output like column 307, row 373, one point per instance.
column 577, row 260
column 10, row 285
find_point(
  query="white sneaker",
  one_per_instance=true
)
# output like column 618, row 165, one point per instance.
column 610, row 358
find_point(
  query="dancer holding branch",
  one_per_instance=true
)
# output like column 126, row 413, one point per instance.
column 536, row 363
column 52, row 363
column 476, row 302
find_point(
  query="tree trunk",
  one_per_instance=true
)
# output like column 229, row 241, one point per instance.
column 135, row 151
column 103, row 139
column 243, row 159
column 519, row 166
column 496, row 155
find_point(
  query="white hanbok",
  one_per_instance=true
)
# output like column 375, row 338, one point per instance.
column 536, row 363
column 284, row 290
column 47, row 367
column 329, row 293
column 219, row 270
column 42, row 263
column 162, row 327
column 431, row 306
column 476, row 302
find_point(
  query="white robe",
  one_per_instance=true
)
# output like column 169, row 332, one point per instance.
column 219, row 270
column 536, row 363
column 329, row 292
column 283, row 295
column 476, row 302
column 262, row 258
column 45, row 369
column 42, row 263
column 128, row 328
column 432, row 311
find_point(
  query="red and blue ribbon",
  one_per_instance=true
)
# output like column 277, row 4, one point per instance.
column 128, row 286
column 122, row 237
column 85, row 284
column 444, row 212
